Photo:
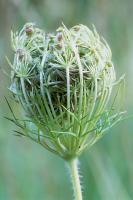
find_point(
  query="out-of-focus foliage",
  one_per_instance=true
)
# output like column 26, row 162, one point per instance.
column 27, row 171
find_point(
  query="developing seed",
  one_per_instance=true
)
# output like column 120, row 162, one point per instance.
column 59, row 46
column 59, row 36
column 29, row 30
column 20, row 53
column 77, row 28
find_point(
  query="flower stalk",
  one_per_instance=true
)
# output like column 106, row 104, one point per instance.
column 75, row 178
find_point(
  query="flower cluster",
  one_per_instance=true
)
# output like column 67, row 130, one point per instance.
column 64, row 82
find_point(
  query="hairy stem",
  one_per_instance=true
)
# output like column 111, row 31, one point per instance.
column 75, row 179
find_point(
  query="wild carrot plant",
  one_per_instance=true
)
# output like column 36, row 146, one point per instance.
column 65, row 83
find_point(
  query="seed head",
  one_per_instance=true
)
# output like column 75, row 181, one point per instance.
column 64, row 82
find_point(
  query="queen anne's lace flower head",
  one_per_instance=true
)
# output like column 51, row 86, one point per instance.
column 64, row 81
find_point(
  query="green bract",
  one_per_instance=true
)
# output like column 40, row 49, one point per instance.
column 64, row 83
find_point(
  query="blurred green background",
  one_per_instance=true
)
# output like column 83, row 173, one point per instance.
column 27, row 171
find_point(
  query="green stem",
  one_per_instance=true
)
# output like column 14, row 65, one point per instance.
column 75, row 179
